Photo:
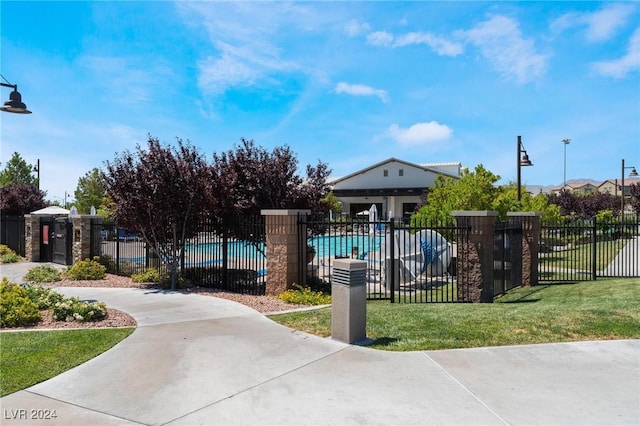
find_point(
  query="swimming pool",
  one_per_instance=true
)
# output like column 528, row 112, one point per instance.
column 344, row 245
column 325, row 245
column 242, row 249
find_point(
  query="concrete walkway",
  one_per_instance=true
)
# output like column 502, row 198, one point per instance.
column 627, row 261
column 202, row 360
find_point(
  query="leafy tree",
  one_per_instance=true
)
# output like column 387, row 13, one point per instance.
column 158, row 192
column 90, row 191
column 249, row 178
column 333, row 203
column 107, row 209
column 17, row 171
column 566, row 201
column 591, row 204
column 474, row 190
column 584, row 206
column 507, row 201
column 540, row 203
column 20, row 198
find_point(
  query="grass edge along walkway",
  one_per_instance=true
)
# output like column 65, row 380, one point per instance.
column 31, row 357
column 606, row 309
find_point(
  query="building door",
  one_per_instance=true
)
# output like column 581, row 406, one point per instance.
column 46, row 239
column 62, row 242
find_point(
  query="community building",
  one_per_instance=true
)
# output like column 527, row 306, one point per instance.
column 394, row 186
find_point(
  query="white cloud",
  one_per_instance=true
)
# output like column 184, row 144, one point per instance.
column 440, row 45
column 501, row 42
column 380, row 38
column 218, row 74
column 601, row 25
column 420, row 133
column 355, row 28
column 361, row 90
column 141, row 79
column 619, row 68
column 246, row 39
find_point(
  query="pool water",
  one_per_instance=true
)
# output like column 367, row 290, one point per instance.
column 325, row 245
column 344, row 245
column 234, row 249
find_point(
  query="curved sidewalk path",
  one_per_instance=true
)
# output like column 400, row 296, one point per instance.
column 202, row 360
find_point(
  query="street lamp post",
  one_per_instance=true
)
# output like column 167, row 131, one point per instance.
column 521, row 161
column 14, row 104
column 633, row 173
column 564, row 182
column 37, row 170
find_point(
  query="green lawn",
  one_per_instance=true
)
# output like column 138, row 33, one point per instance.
column 579, row 256
column 590, row 310
column 30, row 357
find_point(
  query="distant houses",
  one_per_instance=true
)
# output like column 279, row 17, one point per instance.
column 609, row 186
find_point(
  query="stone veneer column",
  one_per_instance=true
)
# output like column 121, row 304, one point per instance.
column 475, row 260
column 284, row 237
column 530, row 245
column 32, row 238
column 81, row 238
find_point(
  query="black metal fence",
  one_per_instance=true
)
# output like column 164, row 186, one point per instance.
column 214, row 257
column 406, row 264
column 576, row 250
column 12, row 233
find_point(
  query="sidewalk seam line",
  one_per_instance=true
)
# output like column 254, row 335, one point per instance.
column 466, row 389
column 82, row 407
column 257, row 385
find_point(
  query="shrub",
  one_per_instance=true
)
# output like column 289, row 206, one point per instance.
column 146, row 276
column 304, row 296
column 106, row 261
column 16, row 309
column 42, row 274
column 44, row 298
column 125, row 268
column 318, row 284
column 165, row 281
column 76, row 310
column 7, row 255
column 87, row 270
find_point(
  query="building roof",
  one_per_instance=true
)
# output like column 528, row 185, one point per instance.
column 426, row 167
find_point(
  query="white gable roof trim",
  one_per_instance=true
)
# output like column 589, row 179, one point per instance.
column 445, row 169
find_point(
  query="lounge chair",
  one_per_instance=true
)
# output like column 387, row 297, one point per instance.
column 430, row 257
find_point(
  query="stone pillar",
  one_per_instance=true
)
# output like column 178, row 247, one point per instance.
column 530, row 245
column 32, row 238
column 284, row 237
column 475, row 259
column 81, row 238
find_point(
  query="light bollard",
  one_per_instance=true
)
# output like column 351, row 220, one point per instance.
column 349, row 301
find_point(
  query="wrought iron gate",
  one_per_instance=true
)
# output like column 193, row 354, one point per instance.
column 507, row 257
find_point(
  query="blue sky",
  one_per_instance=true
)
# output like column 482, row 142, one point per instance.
column 348, row 83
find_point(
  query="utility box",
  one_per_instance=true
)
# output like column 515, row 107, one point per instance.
column 349, row 301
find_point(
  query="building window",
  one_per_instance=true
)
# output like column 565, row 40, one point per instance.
column 385, row 173
column 401, row 172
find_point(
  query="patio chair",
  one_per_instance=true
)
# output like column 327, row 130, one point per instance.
column 431, row 257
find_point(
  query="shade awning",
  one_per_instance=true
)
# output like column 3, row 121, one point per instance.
column 52, row 210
